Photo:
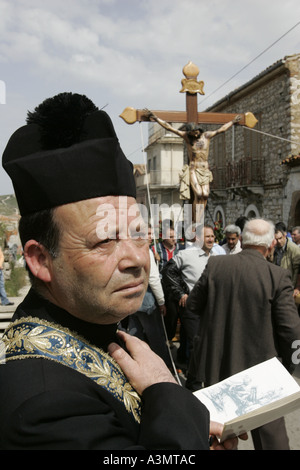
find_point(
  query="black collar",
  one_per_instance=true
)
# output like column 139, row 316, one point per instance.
column 36, row 306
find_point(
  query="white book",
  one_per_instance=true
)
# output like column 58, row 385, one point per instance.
column 251, row 398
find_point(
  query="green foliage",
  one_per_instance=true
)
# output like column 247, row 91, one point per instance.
column 2, row 235
column 8, row 205
column 18, row 279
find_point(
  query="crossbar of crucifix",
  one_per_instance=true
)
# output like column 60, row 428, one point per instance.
column 191, row 87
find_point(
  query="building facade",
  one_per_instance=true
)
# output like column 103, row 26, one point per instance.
column 256, row 172
column 158, row 180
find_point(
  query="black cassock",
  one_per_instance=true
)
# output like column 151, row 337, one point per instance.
column 45, row 404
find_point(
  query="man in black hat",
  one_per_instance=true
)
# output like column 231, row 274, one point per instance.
column 81, row 384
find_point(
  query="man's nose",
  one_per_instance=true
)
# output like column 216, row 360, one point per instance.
column 133, row 254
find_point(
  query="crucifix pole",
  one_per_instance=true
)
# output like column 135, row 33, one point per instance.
column 191, row 108
column 191, row 87
column 194, row 180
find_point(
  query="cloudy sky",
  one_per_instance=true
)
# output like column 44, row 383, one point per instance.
column 131, row 53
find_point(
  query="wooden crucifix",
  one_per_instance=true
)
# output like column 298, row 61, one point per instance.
column 195, row 176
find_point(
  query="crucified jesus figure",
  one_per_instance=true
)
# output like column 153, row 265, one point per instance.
column 196, row 175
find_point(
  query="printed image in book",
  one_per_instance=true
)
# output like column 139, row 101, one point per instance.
column 251, row 398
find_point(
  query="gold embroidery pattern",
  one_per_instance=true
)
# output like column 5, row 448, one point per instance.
column 33, row 338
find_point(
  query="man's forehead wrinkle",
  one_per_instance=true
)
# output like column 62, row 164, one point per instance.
column 96, row 219
column 88, row 210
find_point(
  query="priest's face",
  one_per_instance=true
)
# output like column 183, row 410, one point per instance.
column 101, row 272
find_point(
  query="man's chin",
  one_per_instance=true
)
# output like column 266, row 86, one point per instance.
column 126, row 307
column 133, row 304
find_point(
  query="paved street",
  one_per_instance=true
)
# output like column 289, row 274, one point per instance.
column 292, row 422
column 292, row 419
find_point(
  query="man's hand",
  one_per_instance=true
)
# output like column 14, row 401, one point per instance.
column 141, row 366
column 148, row 113
column 229, row 444
column 237, row 119
column 162, row 310
column 182, row 301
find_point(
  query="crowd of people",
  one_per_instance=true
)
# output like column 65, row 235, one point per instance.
column 180, row 268
column 94, row 331
column 232, row 312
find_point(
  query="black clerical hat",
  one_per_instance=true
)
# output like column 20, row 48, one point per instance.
column 67, row 156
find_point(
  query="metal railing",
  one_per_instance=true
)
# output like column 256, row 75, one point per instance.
column 247, row 171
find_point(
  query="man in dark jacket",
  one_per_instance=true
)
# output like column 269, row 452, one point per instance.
column 286, row 253
column 76, row 387
column 243, row 312
column 180, row 275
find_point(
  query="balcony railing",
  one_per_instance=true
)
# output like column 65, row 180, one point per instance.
column 245, row 172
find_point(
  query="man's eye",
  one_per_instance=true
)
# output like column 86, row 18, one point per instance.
column 105, row 242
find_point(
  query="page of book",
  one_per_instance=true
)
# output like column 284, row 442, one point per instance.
column 253, row 389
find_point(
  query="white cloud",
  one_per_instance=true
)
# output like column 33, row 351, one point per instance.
column 131, row 52
column 217, row 34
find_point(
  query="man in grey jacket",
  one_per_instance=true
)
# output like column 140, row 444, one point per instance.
column 241, row 312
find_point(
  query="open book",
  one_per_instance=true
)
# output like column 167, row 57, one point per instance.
column 251, row 398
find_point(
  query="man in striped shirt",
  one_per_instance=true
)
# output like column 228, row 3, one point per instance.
column 166, row 249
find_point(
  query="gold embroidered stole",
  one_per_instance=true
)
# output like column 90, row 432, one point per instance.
column 35, row 338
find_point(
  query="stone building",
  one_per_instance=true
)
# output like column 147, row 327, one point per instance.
column 256, row 172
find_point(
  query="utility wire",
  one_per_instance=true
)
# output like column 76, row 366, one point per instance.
column 270, row 135
column 237, row 73
column 251, row 62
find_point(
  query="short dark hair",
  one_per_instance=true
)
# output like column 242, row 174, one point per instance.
column 240, row 221
column 41, row 226
column 192, row 127
column 280, row 227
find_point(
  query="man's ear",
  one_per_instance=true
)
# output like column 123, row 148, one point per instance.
column 38, row 260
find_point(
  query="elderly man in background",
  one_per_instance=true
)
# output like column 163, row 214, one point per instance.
column 232, row 235
column 241, row 312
